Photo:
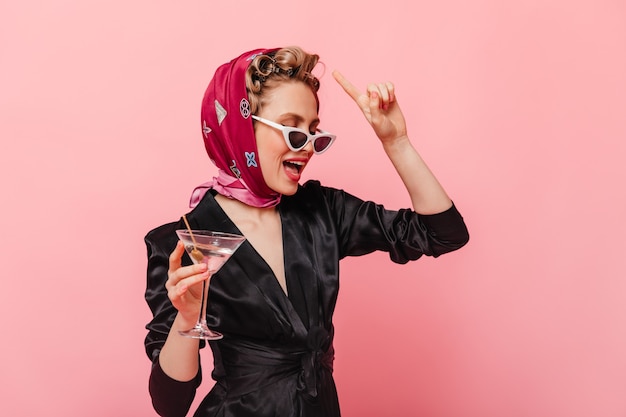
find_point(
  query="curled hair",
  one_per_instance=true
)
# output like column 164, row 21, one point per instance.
column 268, row 70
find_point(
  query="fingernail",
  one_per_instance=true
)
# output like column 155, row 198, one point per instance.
column 203, row 267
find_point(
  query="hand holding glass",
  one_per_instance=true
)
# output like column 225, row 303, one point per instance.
column 213, row 249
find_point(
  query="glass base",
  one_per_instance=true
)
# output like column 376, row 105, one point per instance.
column 201, row 332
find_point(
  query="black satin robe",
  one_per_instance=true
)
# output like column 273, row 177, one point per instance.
column 276, row 356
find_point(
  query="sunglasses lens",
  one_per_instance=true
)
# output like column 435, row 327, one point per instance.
column 322, row 143
column 297, row 139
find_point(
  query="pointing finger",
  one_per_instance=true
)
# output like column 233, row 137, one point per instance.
column 346, row 85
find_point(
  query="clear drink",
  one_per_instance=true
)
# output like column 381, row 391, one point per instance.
column 214, row 249
column 213, row 256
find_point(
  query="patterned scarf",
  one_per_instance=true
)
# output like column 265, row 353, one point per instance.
column 229, row 137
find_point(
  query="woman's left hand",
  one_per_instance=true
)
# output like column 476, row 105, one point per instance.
column 380, row 107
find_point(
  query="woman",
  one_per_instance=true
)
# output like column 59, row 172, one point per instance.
column 274, row 298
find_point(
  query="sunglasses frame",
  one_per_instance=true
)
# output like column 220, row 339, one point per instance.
column 309, row 137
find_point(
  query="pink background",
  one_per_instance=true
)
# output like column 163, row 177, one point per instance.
column 518, row 106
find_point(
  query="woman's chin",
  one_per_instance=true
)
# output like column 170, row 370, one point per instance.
column 289, row 188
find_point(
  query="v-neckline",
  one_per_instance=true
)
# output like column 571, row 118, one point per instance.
column 305, row 315
column 254, row 250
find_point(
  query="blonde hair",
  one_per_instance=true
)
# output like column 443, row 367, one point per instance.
column 266, row 71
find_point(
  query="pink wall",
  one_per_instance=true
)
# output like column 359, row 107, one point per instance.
column 519, row 107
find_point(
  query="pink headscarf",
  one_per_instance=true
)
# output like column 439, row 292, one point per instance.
column 229, row 137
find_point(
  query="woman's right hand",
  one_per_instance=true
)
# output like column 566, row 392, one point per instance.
column 184, row 285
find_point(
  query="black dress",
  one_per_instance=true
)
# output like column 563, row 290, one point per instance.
column 276, row 356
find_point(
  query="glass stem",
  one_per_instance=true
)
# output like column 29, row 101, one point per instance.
column 205, row 297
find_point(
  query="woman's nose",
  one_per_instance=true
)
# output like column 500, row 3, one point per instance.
column 309, row 148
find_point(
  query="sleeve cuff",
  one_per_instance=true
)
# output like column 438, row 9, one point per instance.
column 169, row 396
column 447, row 225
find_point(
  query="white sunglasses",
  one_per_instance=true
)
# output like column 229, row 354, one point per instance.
column 297, row 139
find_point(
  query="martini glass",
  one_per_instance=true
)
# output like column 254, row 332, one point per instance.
column 213, row 249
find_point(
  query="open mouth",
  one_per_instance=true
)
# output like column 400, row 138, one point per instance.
column 295, row 167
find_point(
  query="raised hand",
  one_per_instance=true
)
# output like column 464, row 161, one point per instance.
column 380, row 107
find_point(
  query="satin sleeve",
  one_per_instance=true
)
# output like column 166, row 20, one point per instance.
column 364, row 227
column 170, row 398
